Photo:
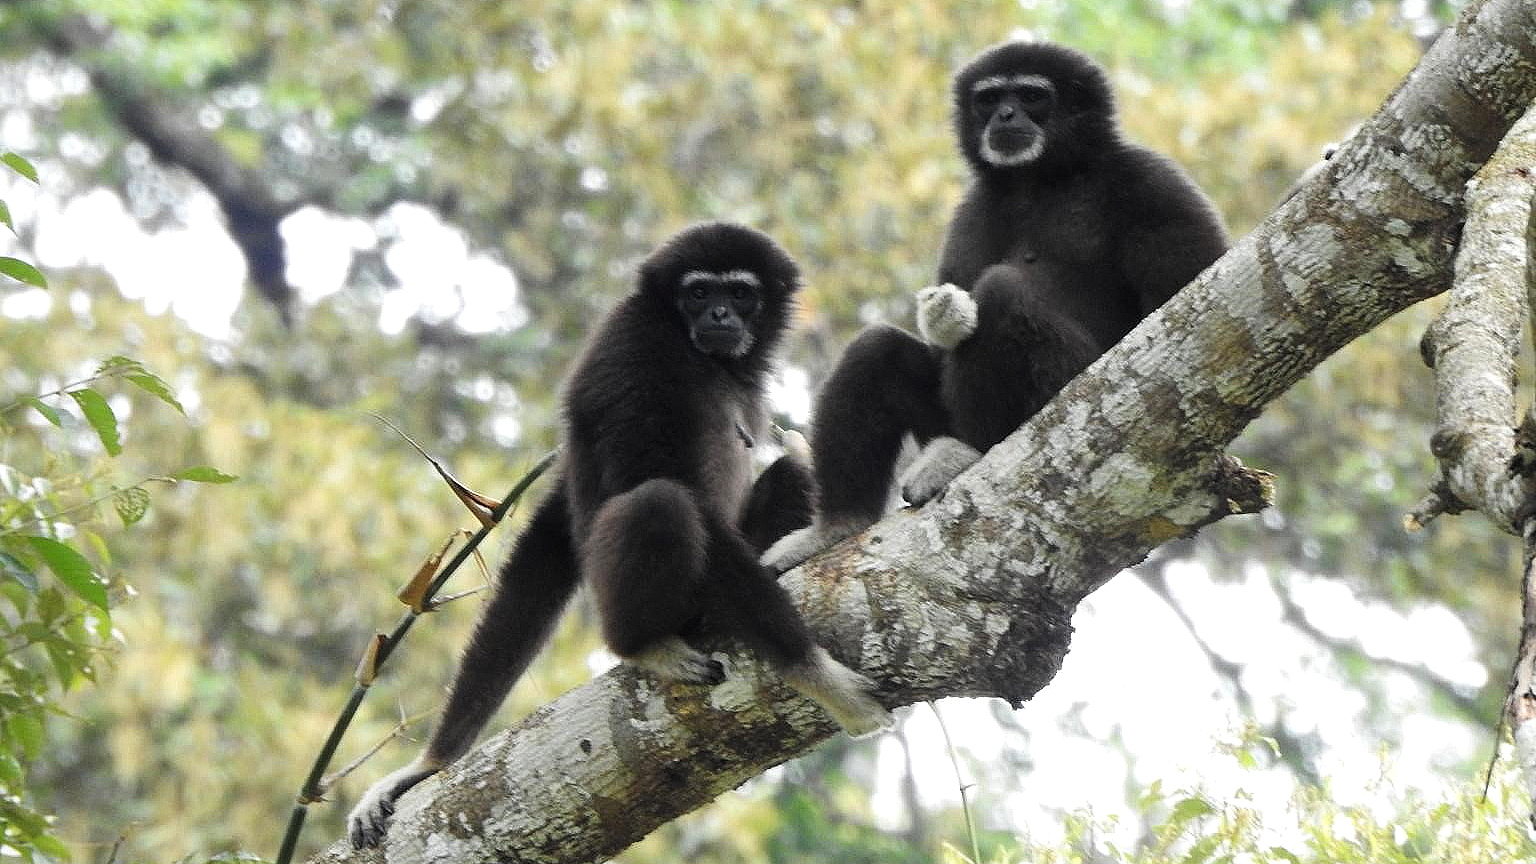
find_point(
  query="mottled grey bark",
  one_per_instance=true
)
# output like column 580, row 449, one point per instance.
column 973, row 594
column 1486, row 464
column 1475, row 343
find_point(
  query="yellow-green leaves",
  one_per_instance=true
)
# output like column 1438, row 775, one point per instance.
column 204, row 474
column 19, row 165
column 16, row 268
column 99, row 414
column 21, row 271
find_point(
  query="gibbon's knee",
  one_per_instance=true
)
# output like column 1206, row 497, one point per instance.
column 886, row 353
column 782, row 500
column 644, row 558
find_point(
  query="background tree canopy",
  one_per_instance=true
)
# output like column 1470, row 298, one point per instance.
column 301, row 212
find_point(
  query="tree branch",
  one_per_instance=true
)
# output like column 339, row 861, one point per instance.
column 972, row 594
column 1474, row 345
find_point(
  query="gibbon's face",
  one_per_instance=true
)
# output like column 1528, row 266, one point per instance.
column 719, row 309
column 1009, row 115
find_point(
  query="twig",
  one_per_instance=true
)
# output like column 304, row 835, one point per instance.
column 965, row 804
column 378, row 652
column 49, row 517
column 398, row 731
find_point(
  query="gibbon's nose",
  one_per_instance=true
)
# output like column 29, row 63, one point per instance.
column 719, row 313
column 1006, row 111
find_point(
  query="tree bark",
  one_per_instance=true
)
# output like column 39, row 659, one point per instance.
column 973, row 594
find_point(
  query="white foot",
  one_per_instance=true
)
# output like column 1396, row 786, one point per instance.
column 843, row 693
column 675, row 659
column 940, row 462
column 369, row 820
column 796, row 546
column 946, row 315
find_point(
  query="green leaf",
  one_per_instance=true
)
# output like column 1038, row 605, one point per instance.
column 26, row 729
column 19, row 165
column 63, row 662
column 21, row 271
column 119, row 363
column 5, row 216
column 204, row 474
column 1201, row 851
column 152, row 383
column 42, row 408
column 72, row 569
column 131, row 504
column 10, row 772
column 12, row 567
column 101, row 418
column 51, row 846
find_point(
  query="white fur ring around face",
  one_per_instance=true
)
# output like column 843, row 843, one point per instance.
column 946, row 315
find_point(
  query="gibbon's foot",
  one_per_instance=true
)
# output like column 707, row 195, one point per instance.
column 674, row 659
column 795, row 445
column 946, row 315
column 796, row 546
column 940, row 462
column 843, row 693
column 369, row 820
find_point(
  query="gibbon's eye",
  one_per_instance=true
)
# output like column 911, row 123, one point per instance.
column 986, row 100
column 698, row 292
column 1035, row 101
column 739, row 293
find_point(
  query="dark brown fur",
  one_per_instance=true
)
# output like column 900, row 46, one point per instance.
column 655, row 508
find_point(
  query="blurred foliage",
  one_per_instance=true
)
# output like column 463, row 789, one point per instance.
column 1197, row 827
column 565, row 139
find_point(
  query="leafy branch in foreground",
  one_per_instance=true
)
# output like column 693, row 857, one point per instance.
column 56, row 571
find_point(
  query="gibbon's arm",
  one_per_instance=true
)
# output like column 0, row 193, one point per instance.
column 1174, row 231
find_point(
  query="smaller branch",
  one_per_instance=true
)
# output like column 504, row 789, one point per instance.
column 75, row 508
column 964, row 787
column 1474, row 344
column 1520, row 704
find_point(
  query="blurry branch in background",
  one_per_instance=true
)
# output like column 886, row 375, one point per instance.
column 1486, row 464
column 251, row 208
column 1293, row 751
column 417, row 594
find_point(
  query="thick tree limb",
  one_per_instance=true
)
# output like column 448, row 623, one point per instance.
column 1474, row 344
column 972, row 595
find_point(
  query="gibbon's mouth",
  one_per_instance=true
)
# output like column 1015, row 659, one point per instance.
column 1010, row 146
column 728, row 341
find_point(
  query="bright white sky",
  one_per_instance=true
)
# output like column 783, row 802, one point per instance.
column 1133, row 670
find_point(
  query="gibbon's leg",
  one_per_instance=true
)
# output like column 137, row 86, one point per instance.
column 644, row 559
column 885, row 386
column 1022, row 353
column 781, row 501
column 746, row 601
column 531, row 589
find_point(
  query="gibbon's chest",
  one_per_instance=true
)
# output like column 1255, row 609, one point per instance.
column 727, row 436
column 1055, row 227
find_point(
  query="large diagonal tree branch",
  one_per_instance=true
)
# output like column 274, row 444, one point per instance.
column 972, row 595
